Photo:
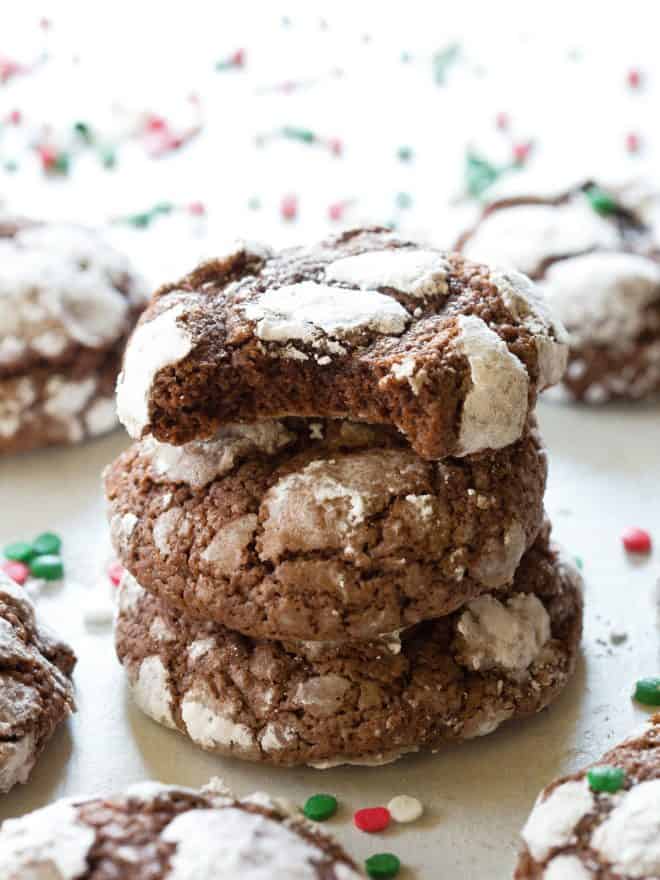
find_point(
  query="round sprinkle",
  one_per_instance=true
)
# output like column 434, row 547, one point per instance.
column 45, row 543
column 198, row 208
column 601, row 201
column 115, row 572
column 636, row 540
column 383, row 865
column 289, row 207
column 632, row 142
column 320, row 807
column 647, row 691
column 372, row 819
column 49, row 567
column 404, row 808
column 521, row 152
column 404, row 154
column 634, row 78
column 17, row 571
column 19, row 551
column 502, row 121
column 606, row 778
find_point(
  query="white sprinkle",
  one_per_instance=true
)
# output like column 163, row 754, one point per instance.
column 404, row 808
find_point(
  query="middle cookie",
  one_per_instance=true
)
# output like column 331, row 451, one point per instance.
column 323, row 530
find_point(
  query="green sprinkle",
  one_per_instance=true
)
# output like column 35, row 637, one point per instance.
column 140, row 221
column 320, row 807
column 45, row 543
column 48, row 567
column 601, row 201
column 305, row 135
column 62, row 163
column 254, row 203
column 406, row 57
column 19, row 551
column 479, row 174
column 403, row 200
column 443, row 60
column 647, row 691
column 606, row 778
column 108, row 157
column 383, row 865
column 404, row 154
column 84, row 132
column 11, row 165
column 162, row 208
column 579, row 563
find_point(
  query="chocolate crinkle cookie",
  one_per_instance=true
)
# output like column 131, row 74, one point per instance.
column 502, row 656
column 159, row 832
column 595, row 256
column 36, row 691
column 364, row 326
column 322, row 529
column 602, row 823
column 68, row 302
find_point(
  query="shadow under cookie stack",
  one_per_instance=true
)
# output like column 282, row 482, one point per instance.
column 331, row 518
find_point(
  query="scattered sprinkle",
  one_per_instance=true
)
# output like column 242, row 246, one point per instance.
column 17, row 571
column 53, row 161
column 647, row 691
column 634, row 78
column 115, row 572
column 98, row 612
column 49, row 567
column 479, row 174
column 403, row 201
column 502, row 121
column 636, row 540
column 618, row 637
column 579, row 563
column 233, row 61
column 320, row 807
column 600, row 200
column 19, row 551
column 443, row 60
column 521, row 152
column 382, row 865
column 372, row 819
column 47, row 542
column 633, row 142
column 404, row 808
column 197, row 208
column 404, row 154
column 289, row 207
column 606, row 778
column 336, row 210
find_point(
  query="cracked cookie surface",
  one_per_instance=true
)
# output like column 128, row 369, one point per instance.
column 601, row 275
column 362, row 326
column 502, row 656
column 36, row 691
column 324, row 529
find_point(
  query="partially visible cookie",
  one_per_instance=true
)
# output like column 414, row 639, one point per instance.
column 67, row 304
column 363, row 326
column 599, row 271
column 324, row 529
column 36, row 691
column 159, row 832
column 578, row 831
column 502, row 656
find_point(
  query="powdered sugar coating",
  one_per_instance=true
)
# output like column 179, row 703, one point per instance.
column 508, row 635
column 525, row 236
column 566, row 867
column 554, row 818
column 495, row 408
column 50, row 844
column 629, row 838
column 416, row 272
column 601, row 297
column 208, row 726
column 151, row 691
column 309, row 312
column 154, row 344
column 61, row 284
column 198, row 463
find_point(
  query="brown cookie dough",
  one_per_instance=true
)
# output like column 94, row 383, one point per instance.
column 599, row 272
column 323, row 529
column 158, row 832
column 500, row 657
column 36, row 691
column 67, row 305
column 575, row 833
column 362, row 326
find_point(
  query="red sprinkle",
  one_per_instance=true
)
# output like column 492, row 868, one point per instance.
column 17, row 571
column 15, row 117
column 636, row 540
column 48, row 156
column 634, row 78
column 336, row 210
column 8, row 69
column 289, row 207
column 521, row 152
column 238, row 58
column 372, row 819
column 115, row 572
column 502, row 121
column 336, row 146
column 197, row 208
column 632, row 142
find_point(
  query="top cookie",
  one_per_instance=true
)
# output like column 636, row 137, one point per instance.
column 363, row 326
column 158, row 832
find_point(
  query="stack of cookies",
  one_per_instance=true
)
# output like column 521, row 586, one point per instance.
column 332, row 515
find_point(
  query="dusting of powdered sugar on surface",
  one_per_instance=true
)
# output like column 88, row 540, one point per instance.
column 553, row 820
column 629, row 838
column 416, row 272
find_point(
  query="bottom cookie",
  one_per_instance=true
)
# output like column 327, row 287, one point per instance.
column 500, row 657
column 602, row 823
column 155, row 832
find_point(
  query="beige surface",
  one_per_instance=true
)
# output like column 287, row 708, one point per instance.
column 605, row 474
